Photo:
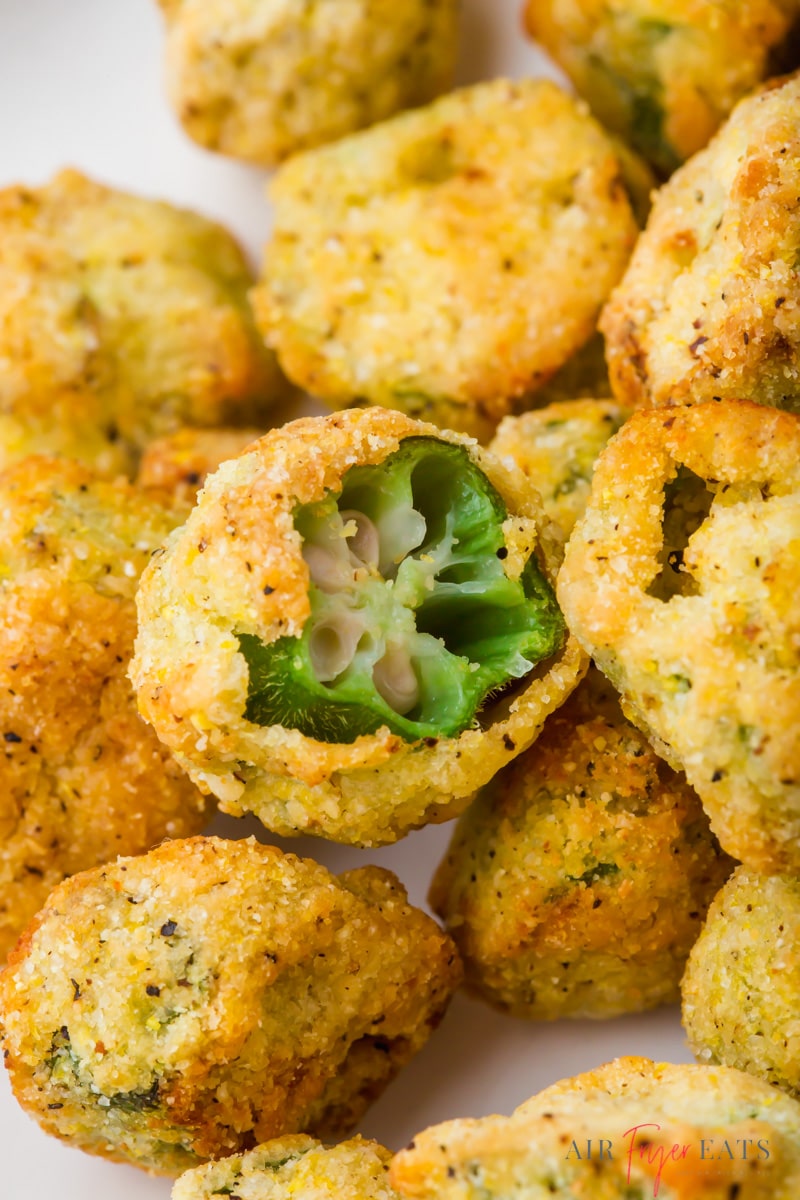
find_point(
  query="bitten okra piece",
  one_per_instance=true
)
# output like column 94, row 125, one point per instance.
column 355, row 627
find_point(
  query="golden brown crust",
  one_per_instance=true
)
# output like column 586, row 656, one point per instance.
column 484, row 231
column 121, row 319
column 82, row 778
column 263, row 79
column 698, row 627
column 556, row 448
column 294, row 1168
column 178, row 465
column 743, row 978
column 237, row 564
column 669, row 1131
column 577, row 882
column 175, row 1007
column 644, row 66
column 708, row 306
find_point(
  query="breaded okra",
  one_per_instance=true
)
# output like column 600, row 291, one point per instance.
column 449, row 261
column 121, row 319
column 630, row 1130
column 664, row 74
column 578, row 880
column 557, row 447
column 263, row 79
column 708, row 307
column 681, row 580
column 294, row 1168
column 742, row 981
column 178, row 465
column 354, row 629
column 210, row 995
column 82, row 778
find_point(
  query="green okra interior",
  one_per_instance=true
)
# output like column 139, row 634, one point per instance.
column 414, row 622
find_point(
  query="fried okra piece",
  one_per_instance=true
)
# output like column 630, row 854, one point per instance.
column 708, row 308
column 630, row 1130
column 121, row 319
column 742, row 981
column 663, row 75
column 681, row 581
column 556, row 447
column 354, row 629
column 576, row 883
column 263, row 79
column 295, row 1168
column 82, row 778
column 448, row 262
column 179, row 464
column 183, row 1005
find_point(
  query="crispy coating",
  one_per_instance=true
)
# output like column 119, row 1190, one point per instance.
column 709, row 305
column 674, row 1132
column 742, row 981
column 179, row 464
column 263, row 79
column 238, row 565
column 682, row 580
column 556, row 448
column 448, row 262
column 664, row 74
column 576, row 883
column 179, row 1006
column 121, row 319
column 295, row 1168
column 82, row 778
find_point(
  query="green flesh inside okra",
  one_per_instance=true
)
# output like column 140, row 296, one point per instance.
column 414, row 623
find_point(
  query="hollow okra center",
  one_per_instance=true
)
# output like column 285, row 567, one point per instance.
column 414, row 622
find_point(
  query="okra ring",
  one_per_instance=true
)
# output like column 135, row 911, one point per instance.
column 354, row 629
column 681, row 581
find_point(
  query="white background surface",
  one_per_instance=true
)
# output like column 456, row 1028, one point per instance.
column 81, row 85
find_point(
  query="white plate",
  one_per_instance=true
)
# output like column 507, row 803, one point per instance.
column 80, row 85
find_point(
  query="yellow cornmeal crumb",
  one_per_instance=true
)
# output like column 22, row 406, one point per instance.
column 708, row 307
column 297, row 1168
column 681, row 580
column 447, row 262
column 664, row 74
column 263, row 79
column 147, row 1017
column 82, row 778
column 663, row 1129
column 578, row 880
column 121, row 319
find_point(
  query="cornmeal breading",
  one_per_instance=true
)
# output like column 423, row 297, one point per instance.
column 556, row 447
column 121, row 319
column 577, row 882
column 664, row 74
column 82, row 778
column 681, row 580
column 673, row 1132
column 176, row 1007
column 449, row 261
column 178, row 465
column 263, row 79
column 296, row 1168
column 323, row 641
column 742, row 981
column 708, row 307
